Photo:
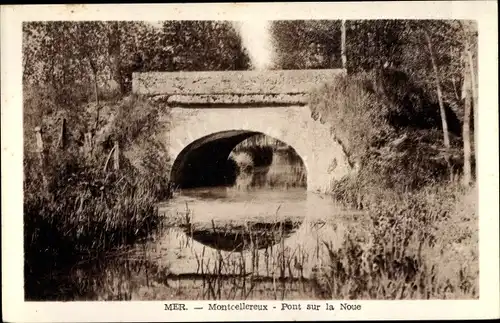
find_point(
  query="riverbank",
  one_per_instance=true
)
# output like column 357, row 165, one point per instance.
column 81, row 203
column 423, row 220
column 338, row 255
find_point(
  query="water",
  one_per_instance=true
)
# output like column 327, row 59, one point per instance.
column 221, row 243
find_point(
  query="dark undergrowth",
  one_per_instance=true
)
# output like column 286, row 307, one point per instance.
column 77, row 206
column 422, row 220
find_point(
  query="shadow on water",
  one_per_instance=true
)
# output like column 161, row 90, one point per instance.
column 243, row 237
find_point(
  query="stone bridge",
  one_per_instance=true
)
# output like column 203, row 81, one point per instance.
column 211, row 112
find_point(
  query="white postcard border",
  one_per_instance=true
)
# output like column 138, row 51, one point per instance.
column 14, row 307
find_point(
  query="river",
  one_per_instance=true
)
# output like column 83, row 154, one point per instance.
column 222, row 243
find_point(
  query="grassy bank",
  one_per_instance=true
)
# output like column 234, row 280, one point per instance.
column 422, row 245
column 388, row 254
column 424, row 227
column 77, row 208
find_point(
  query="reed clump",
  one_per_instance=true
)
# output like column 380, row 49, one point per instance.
column 423, row 245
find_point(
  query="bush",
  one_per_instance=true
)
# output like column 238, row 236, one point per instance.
column 75, row 208
column 71, row 189
column 358, row 116
column 139, row 127
column 390, row 131
column 421, row 220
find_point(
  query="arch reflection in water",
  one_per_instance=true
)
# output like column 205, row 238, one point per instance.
column 233, row 220
column 251, row 236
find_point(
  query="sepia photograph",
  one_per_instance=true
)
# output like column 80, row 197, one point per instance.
column 176, row 159
column 250, row 160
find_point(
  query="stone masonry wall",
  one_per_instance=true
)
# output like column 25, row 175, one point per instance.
column 323, row 158
column 206, row 104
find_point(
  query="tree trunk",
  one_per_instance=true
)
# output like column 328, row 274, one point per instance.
column 467, row 175
column 444, row 122
column 473, row 83
column 342, row 45
column 94, row 75
column 472, row 70
column 473, row 76
column 470, row 86
column 442, row 111
column 62, row 134
column 52, row 55
column 453, row 81
column 96, row 93
column 116, row 156
column 114, row 55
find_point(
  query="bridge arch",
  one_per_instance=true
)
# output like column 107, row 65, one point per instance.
column 206, row 161
column 214, row 132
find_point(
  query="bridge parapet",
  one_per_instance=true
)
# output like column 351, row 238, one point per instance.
column 288, row 82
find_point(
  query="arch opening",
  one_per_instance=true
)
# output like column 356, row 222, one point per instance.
column 239, row 158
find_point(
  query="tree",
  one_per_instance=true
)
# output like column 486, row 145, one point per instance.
column 470, row 76
column 445, row 43
column 422, row 60
column 66, row 56
column 301, row 44
column 342, row 45
column 374, row 43
column 203, row 45
column 179, row 45
column 467, row 169
column 79, row 59
column 454, row 59
column 446, row 135
column 114, row 49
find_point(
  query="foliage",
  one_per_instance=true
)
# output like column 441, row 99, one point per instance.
column 68, row 56
column 82, row 214
column 385, row 116
column 81, row 204
column 420, row 245
column 306, row 43
column 73, row 207
column 65, row 56
column 372, row 44
column 389, row 129
column 360, row 118
column 402, row 44
column 412, row 250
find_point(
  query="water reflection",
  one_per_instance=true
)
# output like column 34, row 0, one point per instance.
column 176, row 265
column 232, row 220
column 230, row 205
column 219, row 243
column 242, row 237
column 267, row 233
